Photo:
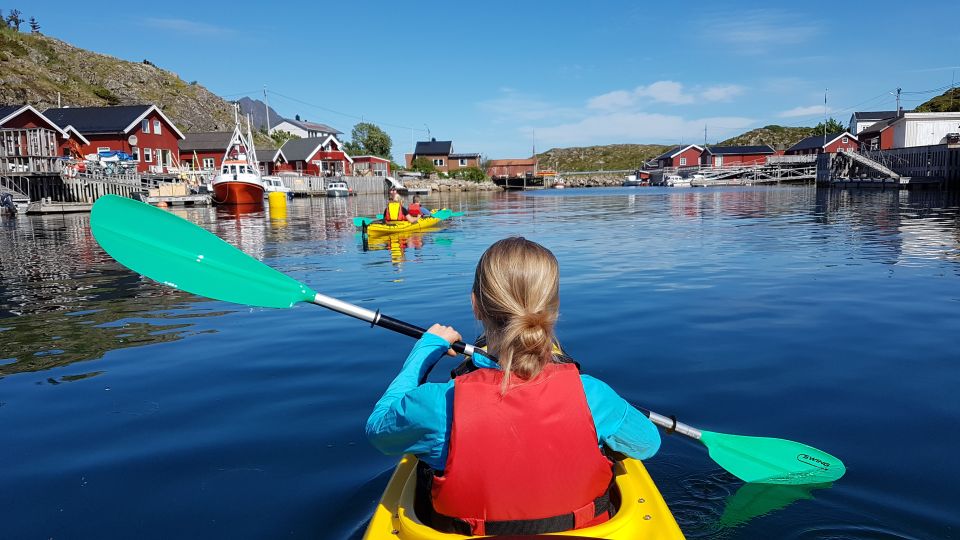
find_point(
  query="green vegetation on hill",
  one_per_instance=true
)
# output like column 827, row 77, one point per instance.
column 949, row 101
column 593, row 158
column 779, row 137
column 35, row 68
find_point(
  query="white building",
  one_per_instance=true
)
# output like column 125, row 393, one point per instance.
column 924, row 129
column 862, row 120
column 304, row 129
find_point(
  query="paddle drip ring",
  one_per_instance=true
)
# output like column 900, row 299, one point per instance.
column 672, row 429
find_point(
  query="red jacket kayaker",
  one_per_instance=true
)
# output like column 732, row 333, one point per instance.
column 514, row 447
column 416, row 210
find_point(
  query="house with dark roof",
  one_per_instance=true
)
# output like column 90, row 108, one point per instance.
column 304, row 129
column 205, row 150
column 442, row 155
column 911, row 129
column 316, row 156
column 680, row 156
column 26, row 132
column 270, row 159
column 830, row 143
column 142, row 131
column 862, row 120
column 719, row 156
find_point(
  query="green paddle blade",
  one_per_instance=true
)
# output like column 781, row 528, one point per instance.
column 177, row 253
column 360, row 221
column 767, row 460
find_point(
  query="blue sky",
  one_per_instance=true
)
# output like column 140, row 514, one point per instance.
column 489, row 75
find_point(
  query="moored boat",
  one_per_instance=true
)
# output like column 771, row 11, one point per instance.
column 337, row 188
column 675, row 180
column 632, row 180
column 238, row 181
column 641, row 512
column 273, row 184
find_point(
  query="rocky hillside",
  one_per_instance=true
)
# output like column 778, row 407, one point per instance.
column 34, row 68
column 779, row 137
column 949, row 101
column 593, row 158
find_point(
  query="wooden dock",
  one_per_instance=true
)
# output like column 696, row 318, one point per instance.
column 178, row 200
column 52, row 207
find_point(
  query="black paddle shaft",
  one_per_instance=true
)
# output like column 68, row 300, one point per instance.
column 407, row 329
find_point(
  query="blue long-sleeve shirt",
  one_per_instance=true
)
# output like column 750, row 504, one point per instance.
column 415, row 419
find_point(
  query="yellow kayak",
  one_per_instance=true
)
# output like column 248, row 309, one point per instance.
column 641, row 514
column 375, row 229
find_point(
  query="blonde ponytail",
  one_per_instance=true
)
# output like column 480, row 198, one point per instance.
column 516, row 287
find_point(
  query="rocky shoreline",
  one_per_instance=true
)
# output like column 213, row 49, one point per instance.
column 573, row 181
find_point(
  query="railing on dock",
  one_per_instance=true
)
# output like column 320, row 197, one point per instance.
column 317, row 185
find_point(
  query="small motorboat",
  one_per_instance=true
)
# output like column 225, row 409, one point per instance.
column 632, row 180
column 274, row 184
column 675, row 180
column 337, row 188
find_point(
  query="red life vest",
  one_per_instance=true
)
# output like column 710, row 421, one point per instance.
column 394, row 212
column 414, row 209
column 529, row 454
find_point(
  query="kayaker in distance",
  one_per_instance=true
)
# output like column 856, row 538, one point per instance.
column 416, row 210
column 395, row 210
column 514, row 447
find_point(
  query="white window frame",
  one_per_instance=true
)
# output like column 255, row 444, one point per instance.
column 136, row 152
column 845, row 140
column 147, row 155
column 156, row 127
column 145, row 126
column 683, row 161
column 463, row 162
column 104, row 149
column 209, row 163
column 438, row 163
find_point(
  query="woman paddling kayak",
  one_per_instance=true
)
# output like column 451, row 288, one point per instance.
column 514, row 447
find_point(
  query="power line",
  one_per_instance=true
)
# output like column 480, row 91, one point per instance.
column 348, row 115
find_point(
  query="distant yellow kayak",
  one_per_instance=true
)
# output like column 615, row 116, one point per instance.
column 641, row 514
column 392, row 227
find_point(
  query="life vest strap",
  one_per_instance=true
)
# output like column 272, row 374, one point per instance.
column 423, row 507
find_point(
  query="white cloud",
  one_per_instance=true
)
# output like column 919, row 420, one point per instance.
column 759, row 31
column 669, row 92
column 185, row 26
column 633, row 127
column 812, row 110
column 723, row 92
column 513, row 106
column 617, row 99
column 665, row 92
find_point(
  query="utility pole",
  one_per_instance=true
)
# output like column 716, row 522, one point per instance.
column 825, row 116
column 428, row 131
column 704, row 135
column 266, row 105
column 898, row 101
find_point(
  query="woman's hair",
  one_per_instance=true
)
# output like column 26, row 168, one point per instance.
column 516, row 287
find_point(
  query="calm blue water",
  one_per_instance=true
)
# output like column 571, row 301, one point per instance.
column 128, row 410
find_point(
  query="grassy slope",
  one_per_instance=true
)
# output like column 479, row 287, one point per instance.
column 35, row 68
column 592, row 158
column 949, row 101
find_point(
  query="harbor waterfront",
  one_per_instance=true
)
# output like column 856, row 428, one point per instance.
column 832, row 317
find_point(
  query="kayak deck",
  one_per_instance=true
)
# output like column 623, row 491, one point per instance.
column 374, row 229
column 642, row 514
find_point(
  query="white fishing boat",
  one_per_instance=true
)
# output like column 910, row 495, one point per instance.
column 238, row 181
column 337, row 188
column 632, row 180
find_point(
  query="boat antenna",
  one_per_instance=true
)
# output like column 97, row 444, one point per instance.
column 266, row 106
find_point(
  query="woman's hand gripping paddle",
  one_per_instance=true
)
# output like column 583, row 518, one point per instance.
column 177, row 253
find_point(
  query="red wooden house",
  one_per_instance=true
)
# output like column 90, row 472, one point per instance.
column 371, row 166
column 680, row 156
column 204, row 151
column 271, row 160
column 511, row 168
column 142, row 131
column 26, row 127
column 830, row 143
column 316, row 156
column 719, row 156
